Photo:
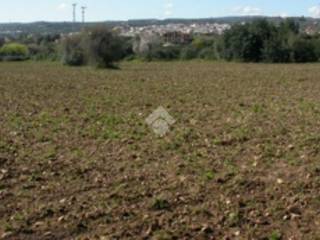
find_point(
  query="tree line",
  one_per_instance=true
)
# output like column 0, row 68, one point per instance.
column 256, row 41
column 262, row 41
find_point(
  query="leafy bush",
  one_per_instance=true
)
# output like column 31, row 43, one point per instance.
column 246, row 42
column 208, row 53
column 14, row 52
column 73, row 53
column 127, row 48
column 2, row 41
column 262, row 41
column 48, row 51
column 316, row 43
column 103, row 47
column 188, row 53
column 203, row 42
column 304, row 51
column 160, row 52
column 95, row 46
column 234, row 43
column 276, row 51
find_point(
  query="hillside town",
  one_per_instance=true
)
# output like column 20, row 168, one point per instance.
column 127, row 29
column 194, row 28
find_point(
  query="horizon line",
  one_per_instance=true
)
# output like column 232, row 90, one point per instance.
column 158, row 19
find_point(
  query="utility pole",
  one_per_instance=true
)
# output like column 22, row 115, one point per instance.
column 74, row 12
column 83, row 14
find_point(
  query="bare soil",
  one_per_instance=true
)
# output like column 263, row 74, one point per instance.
column 78, row 161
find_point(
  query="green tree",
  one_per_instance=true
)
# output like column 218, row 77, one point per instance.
column 208, row 53
column 304, row 51
column 188, row 53
column 246, row 42
column 289, row 26
column 96, row 46
column 276, row 51
column 103, row 47
column 161, row 52
column 316, row 44
column 202, row 42
column 2, row 41
column 73, row 53
column 234, row 43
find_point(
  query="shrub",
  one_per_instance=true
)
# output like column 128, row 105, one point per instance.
column 73, row 53
column 188, row 53
column 304, row 51
column 103, row 47
column 276, row 51
column 208, row 53
column 260, row 41
column 235, row 43
column 95, row 46
column 14, row 51
column 127, row 48
column 43, row 51
column 164, row 52
column 2, row 41
column 316, row 44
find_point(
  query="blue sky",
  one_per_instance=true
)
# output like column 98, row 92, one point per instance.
column 99, row 10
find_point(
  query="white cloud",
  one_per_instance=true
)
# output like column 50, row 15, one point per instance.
column 62, row 6
column 315, row 11
column 168, row 8
column 247, row 11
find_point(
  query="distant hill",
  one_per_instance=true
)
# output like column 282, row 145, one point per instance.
column 67, row 27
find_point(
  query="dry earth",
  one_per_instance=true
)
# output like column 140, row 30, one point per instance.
column 77, row 160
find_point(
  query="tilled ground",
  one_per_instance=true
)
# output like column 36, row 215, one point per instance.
column 78, row 161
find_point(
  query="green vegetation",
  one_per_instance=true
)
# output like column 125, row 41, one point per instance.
column 43, row 47
column 262, row 41
column 103, row 47
column 72, row 51
column 275, row 236
column 258, row 40
column 14, row 51
column 97, row 46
